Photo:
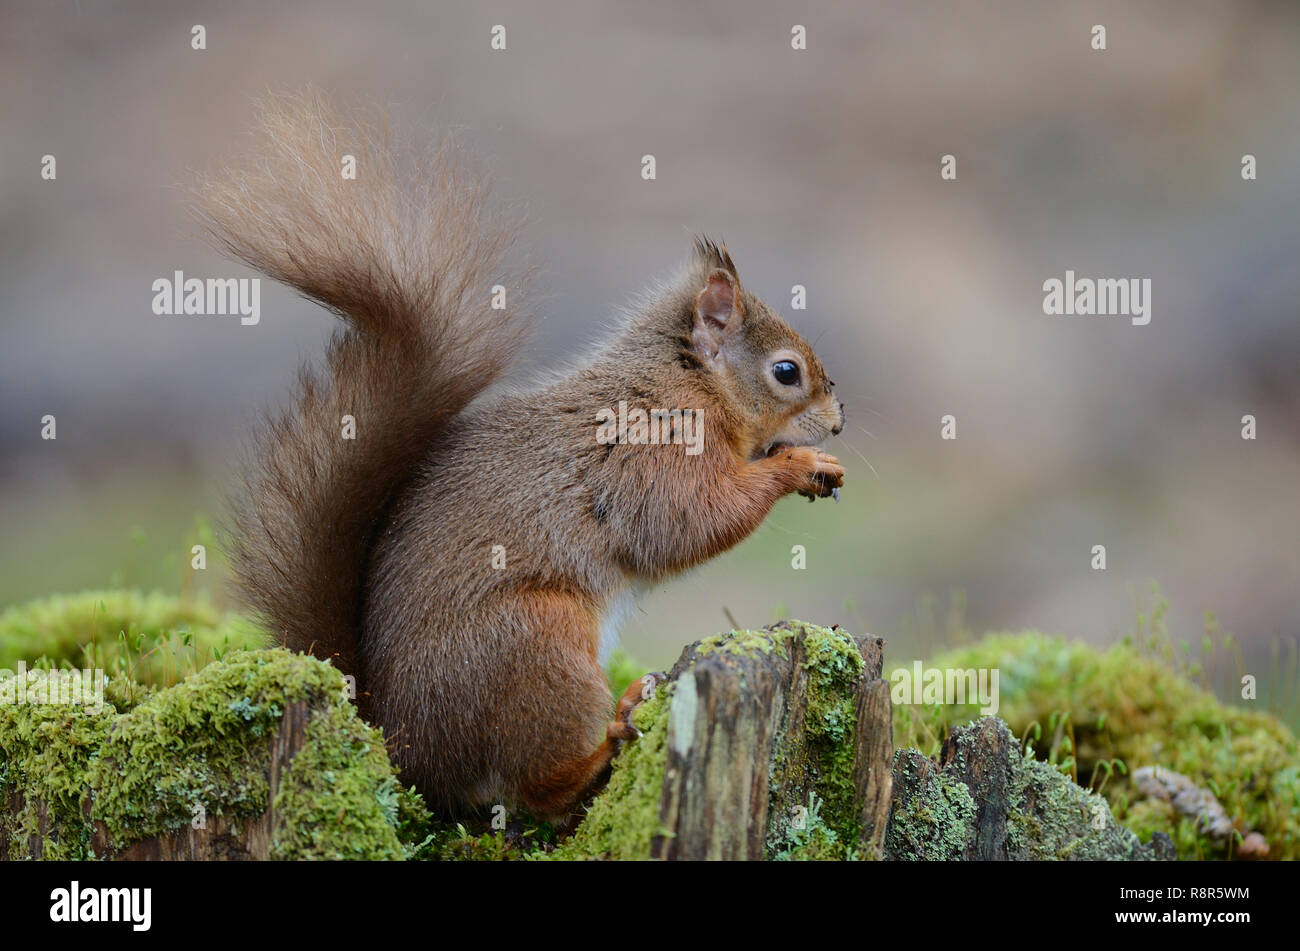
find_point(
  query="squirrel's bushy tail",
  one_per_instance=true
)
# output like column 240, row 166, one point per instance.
column 406, row 254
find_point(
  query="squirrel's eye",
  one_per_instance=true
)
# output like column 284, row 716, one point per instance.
column 786, row 372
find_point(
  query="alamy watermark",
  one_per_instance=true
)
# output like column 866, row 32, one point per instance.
column 1103, row 297
column 654, row 427
column 214, row 297
column 133, row 906
column 946, row 685
column 70, row 687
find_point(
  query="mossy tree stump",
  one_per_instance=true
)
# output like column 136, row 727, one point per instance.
column 768, row 737
column 770, row 744
column 256, row 756
column 217, row 837
column 220, row 837
column 985, row 799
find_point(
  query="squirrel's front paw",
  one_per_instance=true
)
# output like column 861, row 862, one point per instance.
column 818, row 474
column 638, row 691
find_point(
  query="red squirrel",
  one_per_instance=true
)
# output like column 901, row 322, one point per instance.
column 460, row 555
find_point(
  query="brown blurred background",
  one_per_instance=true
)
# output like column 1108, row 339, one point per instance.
column 818, row 167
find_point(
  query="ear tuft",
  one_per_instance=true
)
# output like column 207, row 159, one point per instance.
column 711, row 255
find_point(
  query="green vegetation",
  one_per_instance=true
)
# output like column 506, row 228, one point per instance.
column 189, row 710
column 935, row 825
column 1097, row 715
column 821, row 761
column 812, row 769
column 621, row 670
column 140, row 641
column 625, row 818
column 195, row 751
column 958, row 811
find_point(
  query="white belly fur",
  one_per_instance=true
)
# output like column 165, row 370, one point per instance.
column 617, row 611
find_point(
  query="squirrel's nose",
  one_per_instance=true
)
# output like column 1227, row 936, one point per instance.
column 839, row 427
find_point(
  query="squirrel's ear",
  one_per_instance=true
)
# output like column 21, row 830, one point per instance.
column 718, row 314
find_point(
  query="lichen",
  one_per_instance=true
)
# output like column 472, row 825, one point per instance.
column 810, row 839
column 745, row 643
column 936, row 821
column 1067, row 822
column 940, row 812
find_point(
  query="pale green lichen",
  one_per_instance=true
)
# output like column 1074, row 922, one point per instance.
column 939, row 813
column 1066, row 822
column 810, row 839
column 744, row 643
column 936, row 820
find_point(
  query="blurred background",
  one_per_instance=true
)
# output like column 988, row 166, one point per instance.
column 818, row 167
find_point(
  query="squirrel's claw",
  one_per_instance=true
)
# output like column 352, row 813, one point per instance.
column 638, row 691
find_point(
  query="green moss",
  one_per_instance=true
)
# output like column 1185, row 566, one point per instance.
column 1104, row 713
column 140, row 641
column 46, row 753
column 813, row 770
column 153, row 759
column 463, row 845
column 746, row 643
column 822, row 760
column 426, row 837
column 524, row 839
column 341, row 798
column 202, row 744
column 201, row 749
column 624, row 819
